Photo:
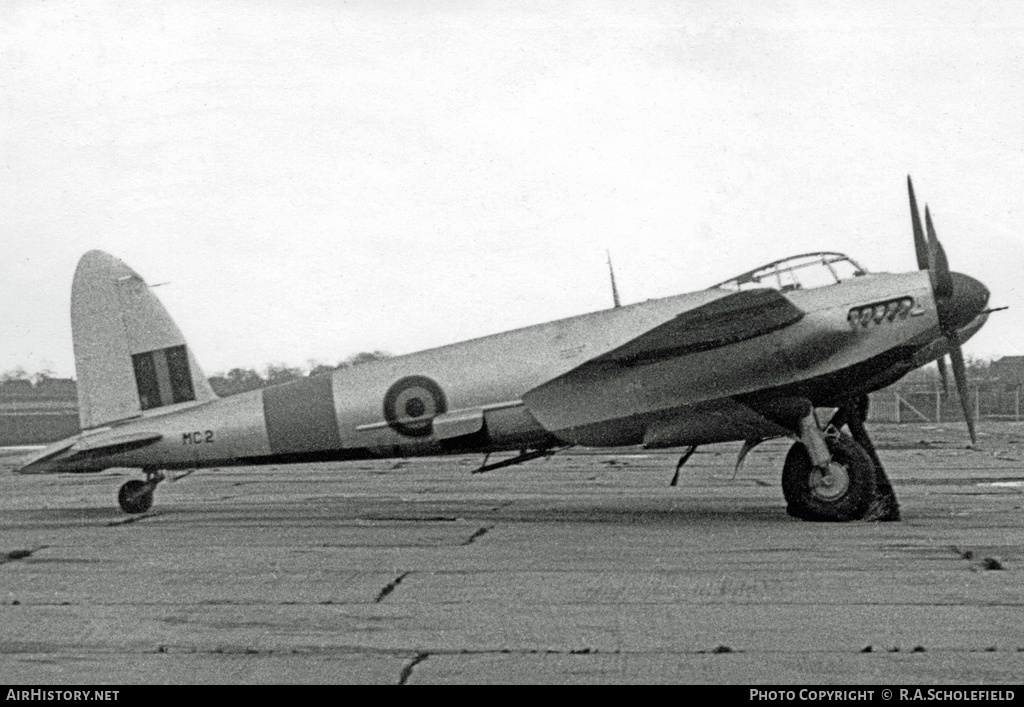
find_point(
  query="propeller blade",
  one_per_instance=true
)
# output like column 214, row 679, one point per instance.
column 920, row 245
column 956, row 306
column 943, row 282
column 942, row 374
column 956, row 355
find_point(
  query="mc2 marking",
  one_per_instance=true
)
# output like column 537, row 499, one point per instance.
column 197, row 437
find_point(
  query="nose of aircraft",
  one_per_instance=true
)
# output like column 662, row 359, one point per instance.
column 968, row 300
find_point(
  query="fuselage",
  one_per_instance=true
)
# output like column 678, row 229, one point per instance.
column 499, row 392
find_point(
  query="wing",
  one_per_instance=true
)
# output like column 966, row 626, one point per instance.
column 729, row 320
column 706, row 353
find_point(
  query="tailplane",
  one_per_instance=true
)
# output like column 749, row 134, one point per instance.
column 130, row 357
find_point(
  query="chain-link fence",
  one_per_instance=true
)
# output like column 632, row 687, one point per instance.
column 917, row 404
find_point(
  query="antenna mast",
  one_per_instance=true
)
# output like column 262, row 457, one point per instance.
column 611, row 272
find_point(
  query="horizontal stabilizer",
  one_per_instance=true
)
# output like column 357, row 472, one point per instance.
column 111, row 444
column 84, row 447
column 35, row 464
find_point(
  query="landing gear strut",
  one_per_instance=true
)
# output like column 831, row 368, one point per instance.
column 136, row 496
column 884, row 507
column 852, row 485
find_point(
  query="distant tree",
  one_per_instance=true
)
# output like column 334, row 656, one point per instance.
column 364, row 357
column 18, row 373
column 320, row 369
column 237, row 380
column 978, row 367
column 246, row 378
column 220, row 385
column 277, row 373
column 43, row 376
column 241, row 380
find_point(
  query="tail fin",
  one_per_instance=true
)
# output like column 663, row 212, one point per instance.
column 129, row 355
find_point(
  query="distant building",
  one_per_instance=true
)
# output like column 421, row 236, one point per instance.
column 37, row 414
column 1009, row 370
column 57, row 389
column 16, row 389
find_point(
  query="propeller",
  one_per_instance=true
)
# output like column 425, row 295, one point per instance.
column 923, row 263
column 958, row 299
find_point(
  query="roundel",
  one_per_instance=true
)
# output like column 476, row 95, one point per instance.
column 411, row 404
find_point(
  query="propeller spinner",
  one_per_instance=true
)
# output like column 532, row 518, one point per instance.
column 958, row 299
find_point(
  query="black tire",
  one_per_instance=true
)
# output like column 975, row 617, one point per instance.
column 843, row 495
column 135, row 496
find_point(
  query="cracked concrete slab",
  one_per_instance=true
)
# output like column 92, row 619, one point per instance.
column 583, row 568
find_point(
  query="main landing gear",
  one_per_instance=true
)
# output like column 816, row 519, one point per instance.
column 843, row 490
column 136, row 496
column 830, row 476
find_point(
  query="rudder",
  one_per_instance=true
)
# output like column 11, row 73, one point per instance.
column 129, row 354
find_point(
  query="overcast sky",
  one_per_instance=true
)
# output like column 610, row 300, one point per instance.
column 314, row 179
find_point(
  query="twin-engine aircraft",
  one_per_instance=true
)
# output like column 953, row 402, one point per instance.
column 775, row 352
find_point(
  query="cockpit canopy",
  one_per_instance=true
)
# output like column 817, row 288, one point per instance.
column 799, row 272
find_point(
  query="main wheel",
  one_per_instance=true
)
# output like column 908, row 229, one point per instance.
column 842, row 493
column 135, row 496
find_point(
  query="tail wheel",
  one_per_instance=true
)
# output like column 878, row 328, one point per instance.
column 135, row 496
column 841, row 493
